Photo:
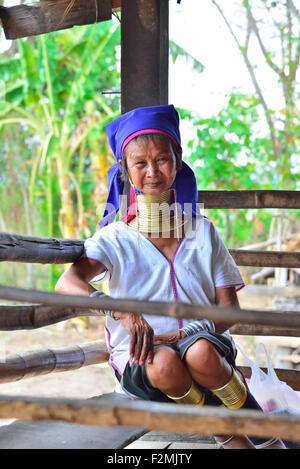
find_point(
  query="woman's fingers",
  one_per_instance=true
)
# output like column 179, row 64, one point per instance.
column 132, row 344
column 141, row 343
column 138, row 343
column 147, row 350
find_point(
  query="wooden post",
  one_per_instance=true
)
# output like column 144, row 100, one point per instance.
column 144, row 53
column 52, row 15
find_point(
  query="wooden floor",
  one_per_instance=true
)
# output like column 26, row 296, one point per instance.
column 45, row 434
column 173, row 441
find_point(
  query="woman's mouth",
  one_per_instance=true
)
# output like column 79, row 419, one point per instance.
column 153, row 184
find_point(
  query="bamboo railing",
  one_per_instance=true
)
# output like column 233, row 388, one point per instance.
column 47, row 308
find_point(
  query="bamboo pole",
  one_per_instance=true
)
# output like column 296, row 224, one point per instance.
column 205, row 420
column 15, row 367
column 176, row 310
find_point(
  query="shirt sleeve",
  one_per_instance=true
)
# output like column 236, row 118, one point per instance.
column 96, row 249
column 224, row 268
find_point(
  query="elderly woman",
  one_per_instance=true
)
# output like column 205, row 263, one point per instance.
column 172, row 253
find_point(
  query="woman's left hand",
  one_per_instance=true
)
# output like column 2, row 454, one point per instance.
column 169, row 338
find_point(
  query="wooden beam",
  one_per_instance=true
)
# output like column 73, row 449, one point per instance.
column 52, row 15
column 266, row 258
column 206, row 420
column 249, row 199
column 255, row 329
column 19, row 248
column 156, row 308
column 144, row 53
column 24, row 317
column 14, row 367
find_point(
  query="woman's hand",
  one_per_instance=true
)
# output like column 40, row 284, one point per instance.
column 141, row 337
column 169, row 338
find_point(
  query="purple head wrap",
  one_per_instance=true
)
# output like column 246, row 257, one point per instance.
column 160, row 119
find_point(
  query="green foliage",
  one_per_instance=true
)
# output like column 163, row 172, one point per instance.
column 229, row 153
column 52, row 118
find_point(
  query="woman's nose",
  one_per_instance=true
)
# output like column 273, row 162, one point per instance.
column 152, row 169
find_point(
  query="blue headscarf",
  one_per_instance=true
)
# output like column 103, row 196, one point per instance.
column 153, row 119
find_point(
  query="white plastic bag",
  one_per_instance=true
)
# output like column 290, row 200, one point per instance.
column 271, row 393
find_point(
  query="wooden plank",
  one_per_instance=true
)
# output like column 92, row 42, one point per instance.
column 176, row 437
column 144, row 53
column 156, row 308
column 169, row 417
column 52, row 15
column 14, row 367
column 64, row 435
column 18, row 248
column 266, row 258
column 254, row 329
column 249, row 199
column 26, row 317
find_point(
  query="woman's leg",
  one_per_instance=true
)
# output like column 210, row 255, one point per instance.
column 170, row 375
column 209, row 369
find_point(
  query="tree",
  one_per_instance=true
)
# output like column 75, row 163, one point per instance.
column 273, row 27
column 54, row 94
column 54, row 154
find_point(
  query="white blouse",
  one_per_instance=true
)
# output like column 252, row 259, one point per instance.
column 138, row 270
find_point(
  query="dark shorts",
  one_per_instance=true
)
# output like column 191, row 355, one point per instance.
column 135, row 378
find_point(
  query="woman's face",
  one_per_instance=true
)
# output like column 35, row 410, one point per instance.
column 151, row 165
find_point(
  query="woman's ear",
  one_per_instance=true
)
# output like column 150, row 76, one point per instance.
column 121, row 163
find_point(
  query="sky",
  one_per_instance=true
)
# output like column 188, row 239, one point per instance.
column 198, row 28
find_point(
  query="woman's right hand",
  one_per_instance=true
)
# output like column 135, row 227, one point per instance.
column 140, row 335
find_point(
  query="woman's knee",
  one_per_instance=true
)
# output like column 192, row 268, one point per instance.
column 166, row 369
column 203, row 356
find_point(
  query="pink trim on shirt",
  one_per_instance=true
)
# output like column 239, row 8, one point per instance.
column 180, row 323
column 145, row 131
column 111, row 352
column 241, row 285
